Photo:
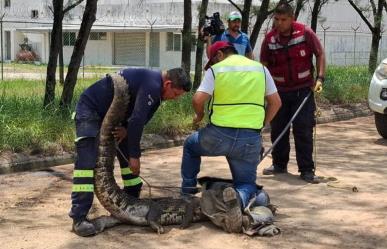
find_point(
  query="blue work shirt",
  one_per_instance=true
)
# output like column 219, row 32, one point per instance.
column 241, row 42
column 145, row 88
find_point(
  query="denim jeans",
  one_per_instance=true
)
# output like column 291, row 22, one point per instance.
column 241, row 147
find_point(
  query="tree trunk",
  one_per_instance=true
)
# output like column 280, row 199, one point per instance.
column 56, row 32
column 376, row 36
column 61, row 64
column 299, row 6
column 79, row 48
column 200, row 45
column 315, row 12
column 187, row 37
column 261, row 17
column 246, row 16
column 373, row 59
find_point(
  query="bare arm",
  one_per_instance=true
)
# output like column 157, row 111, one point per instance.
column 250, row 55
column 198, row 102
column 320, row 65
column 273, row 105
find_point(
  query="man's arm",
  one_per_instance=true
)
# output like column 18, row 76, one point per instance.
column 198, row 102
column 318, row 51
column 264, row 55
column 273, row 105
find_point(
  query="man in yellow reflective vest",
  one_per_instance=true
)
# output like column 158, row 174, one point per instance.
column 238, row 88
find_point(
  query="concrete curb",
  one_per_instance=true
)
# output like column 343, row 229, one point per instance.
column 22, row 162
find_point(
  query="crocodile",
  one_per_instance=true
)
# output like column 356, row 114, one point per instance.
column 153, row 212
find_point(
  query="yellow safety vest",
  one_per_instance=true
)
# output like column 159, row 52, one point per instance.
column 239, row 95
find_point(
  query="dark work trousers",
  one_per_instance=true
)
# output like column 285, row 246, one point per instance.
column 302, row 130
column 88, row 124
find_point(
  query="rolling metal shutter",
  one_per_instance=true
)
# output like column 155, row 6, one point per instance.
column 129, row 49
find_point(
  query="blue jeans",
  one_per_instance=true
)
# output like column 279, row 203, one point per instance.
column 241, row 147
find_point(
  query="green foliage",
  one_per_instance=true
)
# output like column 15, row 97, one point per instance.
column 345, row 85
column 26, row 126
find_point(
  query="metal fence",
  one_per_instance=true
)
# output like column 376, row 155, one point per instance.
column 25, row 48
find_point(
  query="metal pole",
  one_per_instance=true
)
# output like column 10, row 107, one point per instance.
column 354, row 44
column 2, row 47
column 83, row 66
column 287, row 126
column 324, row 30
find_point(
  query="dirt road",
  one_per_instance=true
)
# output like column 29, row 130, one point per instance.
column 34, row 205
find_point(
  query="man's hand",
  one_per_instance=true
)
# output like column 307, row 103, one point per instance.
column 318, row 86
column 119, row 133
column 134, row 165
column 197, row 118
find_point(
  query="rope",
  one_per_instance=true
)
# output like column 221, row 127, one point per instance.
column 168, row 188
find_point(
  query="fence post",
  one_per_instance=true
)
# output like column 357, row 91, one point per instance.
column 354, row 44
column 324, row 30
column 2, row 47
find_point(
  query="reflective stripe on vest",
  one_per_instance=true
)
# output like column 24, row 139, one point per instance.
column 238, row 99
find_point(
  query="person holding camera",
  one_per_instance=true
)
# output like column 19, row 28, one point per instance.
column 287, row 51
column 232, row 34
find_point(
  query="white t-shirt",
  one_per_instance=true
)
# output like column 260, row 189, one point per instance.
column 208, row 82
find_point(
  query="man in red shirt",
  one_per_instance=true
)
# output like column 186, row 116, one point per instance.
column 287, row 51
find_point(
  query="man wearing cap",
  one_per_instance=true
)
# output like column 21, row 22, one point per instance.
column 238, row 88
column 233, row 34
column 288, row 51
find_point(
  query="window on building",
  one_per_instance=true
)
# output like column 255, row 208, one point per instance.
column 173, row 42
column 34, row 14
column 69, row 38
column 97, row 36
column 7, row 3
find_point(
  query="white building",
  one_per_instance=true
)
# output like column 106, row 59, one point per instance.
column 148, row 32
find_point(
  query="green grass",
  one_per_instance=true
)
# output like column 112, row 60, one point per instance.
column 344, row 85
column 26, row 126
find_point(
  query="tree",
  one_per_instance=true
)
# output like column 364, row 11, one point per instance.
column 55, row 46
column 376, row 28
column 200, row 44
column 299, row 6
column 317, row 6
column 262, row 13
column 89, row 16
column 187, row 37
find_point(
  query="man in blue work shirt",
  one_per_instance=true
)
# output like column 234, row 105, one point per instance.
column 147, row 89
column 233, row 34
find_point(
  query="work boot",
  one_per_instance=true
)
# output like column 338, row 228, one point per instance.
column 273, row 169
column 310, row 177
column 84, row 228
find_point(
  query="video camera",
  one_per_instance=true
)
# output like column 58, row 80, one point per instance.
column 213, row 25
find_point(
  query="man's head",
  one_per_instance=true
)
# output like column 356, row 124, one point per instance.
column 175, row 83
column 283, row 18
column 219, row 51
column 234, row 21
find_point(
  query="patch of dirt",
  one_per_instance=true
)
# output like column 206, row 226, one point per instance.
column 34, row 205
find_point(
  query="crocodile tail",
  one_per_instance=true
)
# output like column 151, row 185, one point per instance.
column 117, row 202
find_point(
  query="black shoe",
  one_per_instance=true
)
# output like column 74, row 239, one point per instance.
column 309, row 177
column 272, row 170
column 84, row 228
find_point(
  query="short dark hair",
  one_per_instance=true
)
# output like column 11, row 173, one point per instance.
column 284, row 9
column 180, row 79
column 229, row 50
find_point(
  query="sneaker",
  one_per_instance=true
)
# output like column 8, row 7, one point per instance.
column 84, row 228
column 310, row 177
column 272, row 170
